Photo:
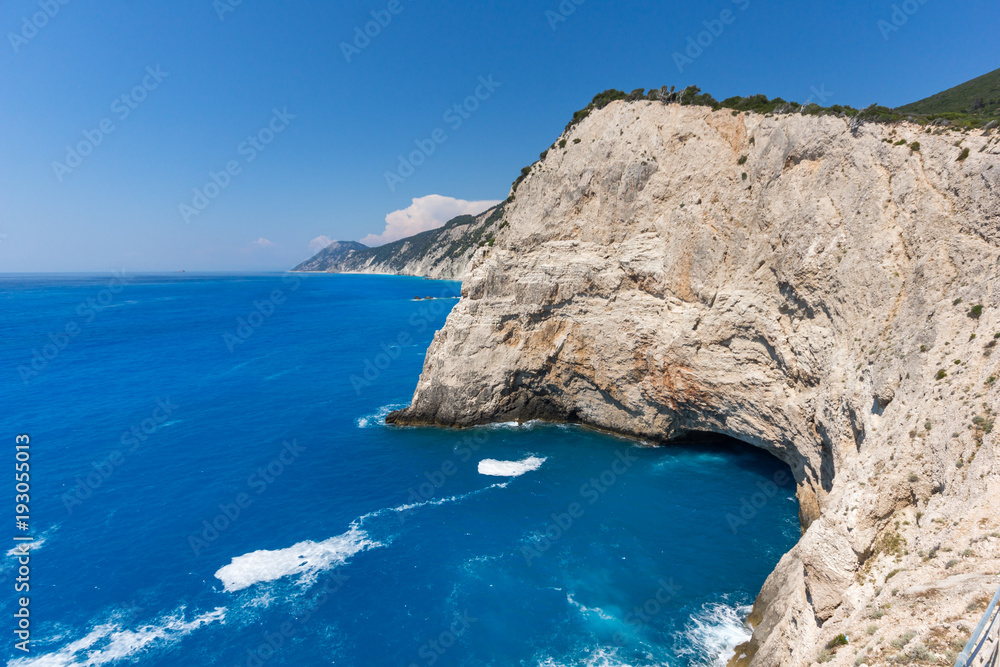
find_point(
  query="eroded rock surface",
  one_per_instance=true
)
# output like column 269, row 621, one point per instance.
column 815, row 299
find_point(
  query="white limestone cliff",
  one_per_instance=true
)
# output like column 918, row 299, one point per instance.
column 815, row 299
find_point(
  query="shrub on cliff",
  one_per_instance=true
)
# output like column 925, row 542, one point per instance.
column 693, row 96
column 878, row 114
column 524, row 175
column 755, row 103
column 602, row 100
column 690, row 96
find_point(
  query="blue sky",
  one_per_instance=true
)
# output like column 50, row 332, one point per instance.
column 211, row 75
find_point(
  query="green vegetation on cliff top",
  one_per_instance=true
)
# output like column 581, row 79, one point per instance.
column 969, row 106
column 978, row 98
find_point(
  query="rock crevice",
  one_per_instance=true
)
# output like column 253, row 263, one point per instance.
column 648, row 281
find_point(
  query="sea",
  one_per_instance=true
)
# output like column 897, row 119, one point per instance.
column 212, row 482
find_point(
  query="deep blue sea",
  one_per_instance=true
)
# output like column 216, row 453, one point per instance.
column 213, row 484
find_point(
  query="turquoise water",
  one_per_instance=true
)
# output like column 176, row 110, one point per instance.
column 215, row 487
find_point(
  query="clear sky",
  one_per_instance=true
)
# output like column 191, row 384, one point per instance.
column 200, row 77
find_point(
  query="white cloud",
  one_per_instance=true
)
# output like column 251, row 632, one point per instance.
column 319, row 243
column 424, row 213
column 262, row 242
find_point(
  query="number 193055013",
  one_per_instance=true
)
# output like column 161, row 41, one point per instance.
column 22, row 549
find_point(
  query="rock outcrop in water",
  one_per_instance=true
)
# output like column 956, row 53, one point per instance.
column 441, row 253
column 826, row 292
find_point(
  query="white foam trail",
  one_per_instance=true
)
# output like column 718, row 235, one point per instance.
column 433, row 501
column 110, row 642
column 308, row 558
column 584, row 609
column 304, row 560
column 248, row 362
column 509, row 468
column 377, row 418
column 527, row 426
column 36, row 543
column 285, row 372
column 600, row 657
column 714, row 633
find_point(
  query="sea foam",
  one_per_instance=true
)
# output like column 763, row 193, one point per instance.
column 509, row 468
column 308, row 558
column 377, row 418
column 402, row 509
column 303, row 560
column 713, row 633
column 110, row 642
column 596, row 657
column 591, row 611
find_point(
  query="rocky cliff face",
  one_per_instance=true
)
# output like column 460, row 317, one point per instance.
column 336, row 255
column 829, row 295
column 442, row 253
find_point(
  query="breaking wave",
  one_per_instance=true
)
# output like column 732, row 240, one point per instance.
column 509, row 468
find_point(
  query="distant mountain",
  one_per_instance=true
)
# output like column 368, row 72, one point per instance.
column 441, row 253
column 332, row 255
column 978, row 97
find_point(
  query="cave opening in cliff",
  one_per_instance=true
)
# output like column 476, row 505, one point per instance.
column 777, row 478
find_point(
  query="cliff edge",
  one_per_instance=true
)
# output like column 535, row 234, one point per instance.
column 823, row 289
